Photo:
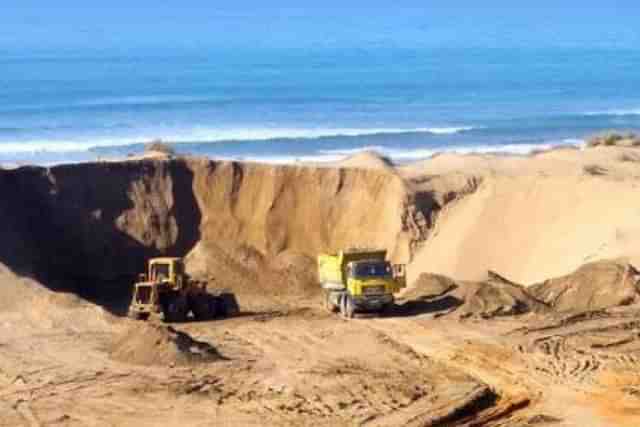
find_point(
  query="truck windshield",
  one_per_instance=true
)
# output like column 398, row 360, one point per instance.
column 160, row 271
column 372, row 269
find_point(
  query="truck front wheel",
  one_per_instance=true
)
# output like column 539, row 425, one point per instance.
column 347, row 308
column 328, row 304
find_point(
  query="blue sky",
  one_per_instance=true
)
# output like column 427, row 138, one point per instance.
column 286, row 24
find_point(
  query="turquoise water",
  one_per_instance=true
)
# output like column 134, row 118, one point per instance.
column 282, row 105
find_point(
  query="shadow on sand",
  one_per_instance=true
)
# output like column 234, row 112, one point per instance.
column 436, row 306
column 73, row 227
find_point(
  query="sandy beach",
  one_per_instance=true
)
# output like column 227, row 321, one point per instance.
column 521, row 308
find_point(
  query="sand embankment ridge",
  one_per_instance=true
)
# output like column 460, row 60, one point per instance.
column 95, row 224
column 529, row 218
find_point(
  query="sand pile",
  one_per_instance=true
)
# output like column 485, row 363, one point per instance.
column 34, row 305
column 146, row 343
column 256, row 280
column 594, row 286
column 429, row 286
column 16, row 292
column 495, row 296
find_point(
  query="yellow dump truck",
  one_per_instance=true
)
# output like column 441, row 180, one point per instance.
column 167, row 291
column 359, row 280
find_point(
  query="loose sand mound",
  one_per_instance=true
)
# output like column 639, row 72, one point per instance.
column 495, row 297
column 492, row 297
column 594, row 286
column 254, row 279
column 150, row 344
column 429, row 286
column 37, row 306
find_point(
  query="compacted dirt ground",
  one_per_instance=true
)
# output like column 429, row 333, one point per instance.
column 303, row 366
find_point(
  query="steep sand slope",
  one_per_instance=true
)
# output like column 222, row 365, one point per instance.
column 93, row 226
column 301, row 209
column 534, row 218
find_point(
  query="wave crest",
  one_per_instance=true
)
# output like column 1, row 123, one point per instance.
column 203, row 135
column 408, row 155
column 615, row 112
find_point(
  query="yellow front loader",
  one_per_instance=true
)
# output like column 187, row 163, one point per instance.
column 168, row 292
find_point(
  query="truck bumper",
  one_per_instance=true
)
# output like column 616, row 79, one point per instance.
column 372, row 302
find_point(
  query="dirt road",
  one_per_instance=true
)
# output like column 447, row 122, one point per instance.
column 304, row 367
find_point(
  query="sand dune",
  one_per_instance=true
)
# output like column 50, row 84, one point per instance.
column 534, row 218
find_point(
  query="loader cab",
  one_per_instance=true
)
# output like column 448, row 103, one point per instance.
column 167, row 270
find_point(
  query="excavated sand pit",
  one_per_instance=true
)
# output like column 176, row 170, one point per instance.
column 467, row 350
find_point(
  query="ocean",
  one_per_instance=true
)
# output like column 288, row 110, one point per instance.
column 313, row 104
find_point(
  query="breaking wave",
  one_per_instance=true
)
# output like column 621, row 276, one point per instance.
column 201, row 135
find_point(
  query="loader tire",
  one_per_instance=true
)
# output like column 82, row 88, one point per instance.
column 228, row 305
column 201, row 308
column 175, row 310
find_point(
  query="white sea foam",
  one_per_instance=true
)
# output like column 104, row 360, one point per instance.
column 110, row 102
column 615, row 112
column 203, row 135
column 449, row 130
column 408, row 155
